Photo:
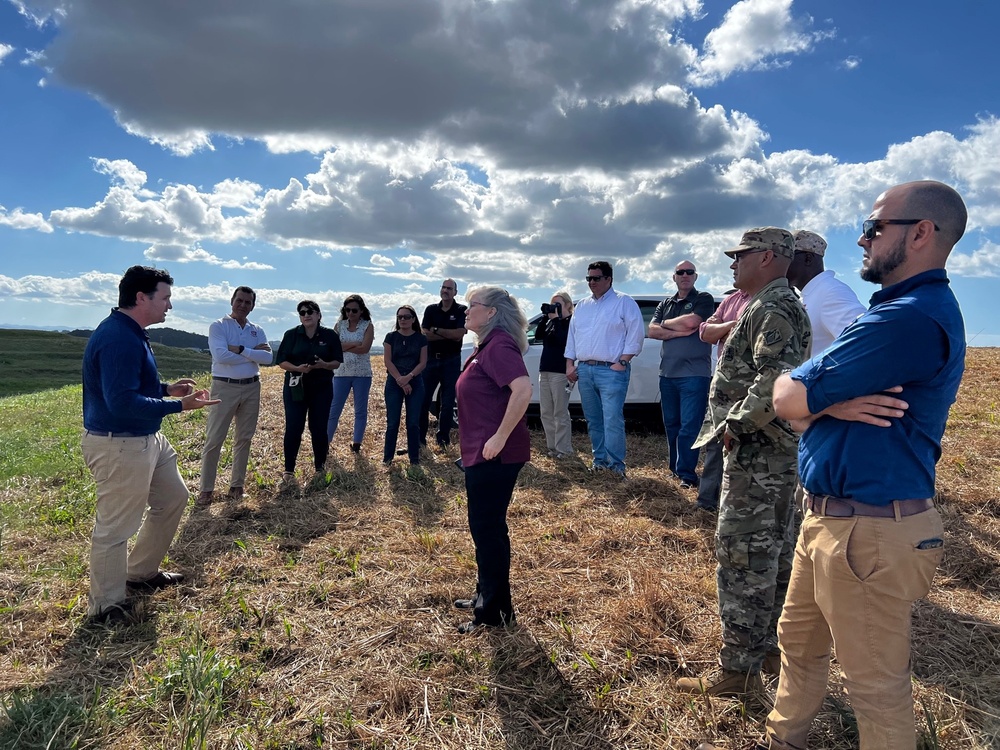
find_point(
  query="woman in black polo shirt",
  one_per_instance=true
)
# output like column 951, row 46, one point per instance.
column 405, row 358
column 309, row 353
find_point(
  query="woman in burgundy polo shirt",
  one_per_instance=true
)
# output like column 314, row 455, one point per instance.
column 493, row 394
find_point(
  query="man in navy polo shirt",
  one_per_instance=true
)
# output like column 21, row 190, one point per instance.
column 134, row 466
column 871, row 538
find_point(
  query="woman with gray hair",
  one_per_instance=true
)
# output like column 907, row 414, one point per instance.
column 493, row 394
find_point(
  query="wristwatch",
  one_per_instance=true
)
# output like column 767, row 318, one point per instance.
column 435, row 329
column 623, row 362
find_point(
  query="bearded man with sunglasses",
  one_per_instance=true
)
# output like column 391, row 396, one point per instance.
column 871, row 538
column 685, row 369
column 605, row 333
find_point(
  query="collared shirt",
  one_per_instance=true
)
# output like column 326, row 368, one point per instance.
column 913, row 335
column 685, row 356
column 436, row 317
column 483, row 394
column 731, row 308
column 227, row 332
column 605, row 329
column 297, row 348
column 122, row 391
column 831, row 306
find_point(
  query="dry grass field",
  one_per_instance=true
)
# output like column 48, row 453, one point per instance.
column 324, row 619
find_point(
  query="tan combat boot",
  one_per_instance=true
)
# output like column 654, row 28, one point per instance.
column 726, row 685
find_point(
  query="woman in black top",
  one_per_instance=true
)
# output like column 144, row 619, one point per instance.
column 552, row 383
column 309, row 353
column 405, row 358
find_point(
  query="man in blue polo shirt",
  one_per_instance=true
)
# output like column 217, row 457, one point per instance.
column 134, row 466
column 871, row 538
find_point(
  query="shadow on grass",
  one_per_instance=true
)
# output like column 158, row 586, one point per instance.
column 538, row 706
column 67, row 710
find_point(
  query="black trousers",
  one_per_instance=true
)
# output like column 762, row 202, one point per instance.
column 489, row 487
column 446, row 372
column 315, row 406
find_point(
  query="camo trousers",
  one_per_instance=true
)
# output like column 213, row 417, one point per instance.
column 754, row 545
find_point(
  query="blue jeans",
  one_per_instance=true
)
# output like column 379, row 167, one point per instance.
column 341, row 387
column 683, row 401
column 446, row 372
column 394, row 399
column 602, row 395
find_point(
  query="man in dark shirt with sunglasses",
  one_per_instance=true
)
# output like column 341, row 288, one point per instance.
column 444, row 326
column 685, row 369
column 871, row 538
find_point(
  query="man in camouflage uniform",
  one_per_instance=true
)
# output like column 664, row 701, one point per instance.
column 753, row 541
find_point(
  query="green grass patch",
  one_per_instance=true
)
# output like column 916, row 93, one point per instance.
column 34, row 361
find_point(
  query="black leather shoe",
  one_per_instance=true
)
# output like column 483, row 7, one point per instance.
column 122, row 613
column 465, row 604
column 160, row 581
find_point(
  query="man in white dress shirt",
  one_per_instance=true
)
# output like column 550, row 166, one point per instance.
column 605, row 333
column 238, row 349
column 830, row 304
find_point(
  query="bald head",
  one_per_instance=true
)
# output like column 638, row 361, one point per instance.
column 927, row 199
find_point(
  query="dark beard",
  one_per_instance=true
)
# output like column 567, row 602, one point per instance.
column 878, row 270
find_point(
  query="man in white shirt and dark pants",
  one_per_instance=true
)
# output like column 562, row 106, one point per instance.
column 605, row 333
column 830, row 304
column 238, row 349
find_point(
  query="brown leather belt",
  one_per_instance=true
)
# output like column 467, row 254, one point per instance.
column 596, row 363
column 843, row 507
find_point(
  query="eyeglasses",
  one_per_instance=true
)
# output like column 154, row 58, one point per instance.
column 593, row 279
column 871, row 227
column 473, row 303
column 352, row 310
column 685, row 272
column 407, row 316
column 745, row 253
column 303, row 312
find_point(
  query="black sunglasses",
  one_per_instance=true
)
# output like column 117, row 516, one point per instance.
column 592, row 279
column 352, row 310
column 307, row 311
column 871, row 227
column 404, row 317
column 685, row 272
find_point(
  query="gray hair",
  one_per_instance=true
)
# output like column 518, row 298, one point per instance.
column 509, row 316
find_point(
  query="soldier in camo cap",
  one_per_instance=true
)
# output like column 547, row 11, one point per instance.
column 753, row 541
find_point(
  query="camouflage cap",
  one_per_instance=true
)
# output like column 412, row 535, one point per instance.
column 766, row 238
column 809, row 242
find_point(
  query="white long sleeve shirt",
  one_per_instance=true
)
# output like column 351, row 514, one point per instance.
column 227, row 332
column 605, row 329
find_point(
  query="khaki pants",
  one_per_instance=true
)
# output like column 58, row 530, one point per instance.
column 853, row 581
column 553, row 402
column 132, row 474
column 241, row 402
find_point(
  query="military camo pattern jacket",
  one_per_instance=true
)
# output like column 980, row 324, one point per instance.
column 771, row 336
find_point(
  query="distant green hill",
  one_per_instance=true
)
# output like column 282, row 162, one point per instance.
column 33, row 361
column 165, row 336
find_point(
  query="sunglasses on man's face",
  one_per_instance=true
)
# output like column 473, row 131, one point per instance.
column 871, row 227
column 684, row 272
column 593, row 279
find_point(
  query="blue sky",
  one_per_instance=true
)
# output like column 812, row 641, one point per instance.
column 325, row 147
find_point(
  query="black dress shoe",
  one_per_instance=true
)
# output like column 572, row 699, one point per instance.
column 122, row 613
column 465, row 604
column 160, row 581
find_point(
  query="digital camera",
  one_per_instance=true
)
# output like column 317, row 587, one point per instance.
column 549, row 309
